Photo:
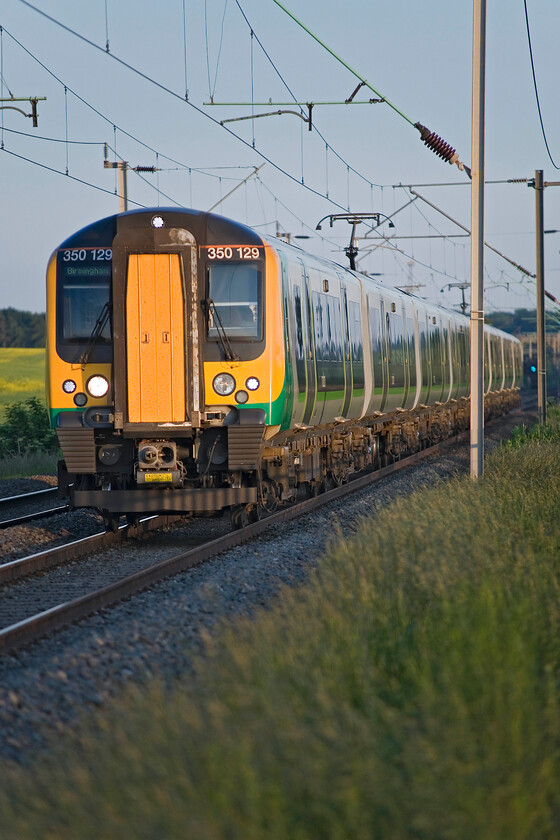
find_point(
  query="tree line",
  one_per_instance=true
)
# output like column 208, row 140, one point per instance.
column 519, row 322
column 22, row 329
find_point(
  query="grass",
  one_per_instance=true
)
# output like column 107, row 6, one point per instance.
column 32, row 463
column 408, row 690
column 22, row 375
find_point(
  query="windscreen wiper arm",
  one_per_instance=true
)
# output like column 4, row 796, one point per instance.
column 209, row 307
column 96, row 332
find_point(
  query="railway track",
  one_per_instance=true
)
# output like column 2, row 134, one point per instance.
column 44, row 621
column 36, row 496
column 90, row 600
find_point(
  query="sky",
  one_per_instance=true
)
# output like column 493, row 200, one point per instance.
column 141, row 76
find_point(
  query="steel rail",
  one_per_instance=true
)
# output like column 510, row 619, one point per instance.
column 27, row 497
column 29, row 517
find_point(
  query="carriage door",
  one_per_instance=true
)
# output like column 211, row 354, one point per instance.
column 155, row 339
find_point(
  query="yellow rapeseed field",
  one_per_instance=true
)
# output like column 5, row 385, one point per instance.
column 22, row 375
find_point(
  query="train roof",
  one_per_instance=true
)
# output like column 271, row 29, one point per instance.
column 100, row 232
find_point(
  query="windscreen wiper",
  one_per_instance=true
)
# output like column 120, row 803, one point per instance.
column 96, row 332
column 209, row 308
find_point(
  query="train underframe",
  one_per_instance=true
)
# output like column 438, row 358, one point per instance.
column 235, row 468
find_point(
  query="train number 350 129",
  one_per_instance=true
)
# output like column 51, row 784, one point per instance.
column 239, row 252
column 83, row 254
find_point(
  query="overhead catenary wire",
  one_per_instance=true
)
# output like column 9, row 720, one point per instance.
column 294, row 98
column 202, row 170
column 106, row 27
column 2, row 77
column 431, row 139
column 71, row 177
column 185, row 49
column 535, row 85
column 174, row 94
column 463, row 227
column 291, row 212
column 212, row 87
column 56, row 139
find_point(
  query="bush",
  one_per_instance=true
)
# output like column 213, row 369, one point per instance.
column 521, row 435
column 26, row 429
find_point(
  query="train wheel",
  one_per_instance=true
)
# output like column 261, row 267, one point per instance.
column 111, row 520
column 243, row 515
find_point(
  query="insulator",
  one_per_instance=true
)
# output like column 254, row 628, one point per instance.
column 145, row 168
column 434, row 142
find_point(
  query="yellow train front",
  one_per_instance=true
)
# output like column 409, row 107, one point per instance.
column 165, row 362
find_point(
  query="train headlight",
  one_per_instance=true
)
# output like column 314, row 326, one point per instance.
column 252, row 383
column 68, row 386
column 97, row 386
column 224, row 384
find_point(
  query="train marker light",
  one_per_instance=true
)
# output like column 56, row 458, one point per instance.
column 97, row 386
column 157, row 221
column 80, row 399
column 224, row 384
column 241, row 397
column 69, row 386
column 252, row 383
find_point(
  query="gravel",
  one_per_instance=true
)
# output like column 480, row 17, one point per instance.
column 17, row 486
column 47, row 687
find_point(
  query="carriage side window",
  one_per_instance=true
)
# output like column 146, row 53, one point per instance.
column 335, row 329
column 235, row 290
column 356, row 343
column 300, row 350
column 395, row 339
column 411, row 351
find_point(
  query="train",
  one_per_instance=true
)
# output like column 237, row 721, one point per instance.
column 196, row 366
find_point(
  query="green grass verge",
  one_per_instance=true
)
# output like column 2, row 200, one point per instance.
column 22, row 375
column 32, row 463
column 408, row 690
